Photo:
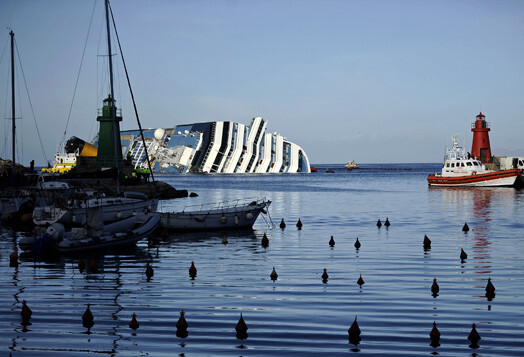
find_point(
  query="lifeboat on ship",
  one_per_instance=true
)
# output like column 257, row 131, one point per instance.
column 460, row 169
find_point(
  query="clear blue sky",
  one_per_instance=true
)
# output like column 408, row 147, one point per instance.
column 370, row 80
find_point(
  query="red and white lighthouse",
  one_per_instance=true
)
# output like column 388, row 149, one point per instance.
column 480, row 148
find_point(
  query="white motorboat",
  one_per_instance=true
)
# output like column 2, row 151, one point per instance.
column 460, row 169
column 224, row 215
column 74, row 211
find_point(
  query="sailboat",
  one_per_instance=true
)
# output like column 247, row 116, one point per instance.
column 13, row 201
column 120, row 220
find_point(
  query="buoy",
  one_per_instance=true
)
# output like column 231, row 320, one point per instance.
column 474, row 336
column 357, row 244
column 134, row 323
column 224, row 240
column 434, row 335
column 181, row 326
column 192, row 270
column 149, row 271
column 282, row 224
column 325, row 275
column 379, row 224
column 332, row 242
column 435, row 288
column 490, row 289
column 81, row 265
column 299, row 224
column 463, row 254
column 241, row 328
column 465, row 228
column 265, row 241
column 274, row 274
column 87, row 318
column 360, row 281
column 26, row 312
column 237, row 220
column 387, row 224
column 427, row 242
column 354, row 333
column 13, row 258
column 93, row 267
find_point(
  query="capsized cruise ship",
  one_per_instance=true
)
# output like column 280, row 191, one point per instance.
column 215, row 147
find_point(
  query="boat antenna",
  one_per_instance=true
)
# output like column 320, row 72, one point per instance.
column 12, row 34
column 113, row 109
column 133, row 99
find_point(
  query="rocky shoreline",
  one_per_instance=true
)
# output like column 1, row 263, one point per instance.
column 100, row 180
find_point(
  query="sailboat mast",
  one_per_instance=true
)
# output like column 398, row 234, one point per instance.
column 13, row 95
column 113, row 109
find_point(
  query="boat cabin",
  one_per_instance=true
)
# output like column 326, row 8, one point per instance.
column 461, row 167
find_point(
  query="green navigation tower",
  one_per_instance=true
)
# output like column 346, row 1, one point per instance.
column 109, row 141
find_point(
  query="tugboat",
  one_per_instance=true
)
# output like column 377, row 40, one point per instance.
column 351, row 165
column 460, row 169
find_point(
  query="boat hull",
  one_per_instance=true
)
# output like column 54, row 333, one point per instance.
column 121, row 233
column 111, row 240
column 228, row 218
column 490, row 179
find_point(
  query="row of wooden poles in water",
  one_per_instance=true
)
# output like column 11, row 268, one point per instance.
column 241, row 327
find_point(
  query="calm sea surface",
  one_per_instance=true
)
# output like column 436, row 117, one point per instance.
column 298, row 314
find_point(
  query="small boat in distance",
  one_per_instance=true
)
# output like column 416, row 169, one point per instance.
column 460, row 170
column 351, row 165
column 223, row 215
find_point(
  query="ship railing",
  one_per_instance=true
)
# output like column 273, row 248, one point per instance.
column 224, row 205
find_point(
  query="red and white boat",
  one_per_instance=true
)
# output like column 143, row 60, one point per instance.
column 460, row 169
column 351, row 165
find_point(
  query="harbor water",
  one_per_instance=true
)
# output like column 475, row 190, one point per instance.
column 297, row 314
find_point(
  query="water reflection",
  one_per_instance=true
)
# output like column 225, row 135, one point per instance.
column 166, row 238
column 479, row 206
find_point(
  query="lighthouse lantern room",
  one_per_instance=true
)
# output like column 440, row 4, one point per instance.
column 480, row 148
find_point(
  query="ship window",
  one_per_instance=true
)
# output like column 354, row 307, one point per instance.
column 452, row 164
column 462, row 164
column 468, row 163
column 447, row 165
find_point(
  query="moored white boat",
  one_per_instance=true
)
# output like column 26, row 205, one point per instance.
column 223, row 215
column 73, row 211
column 461, row 170
column 96, row 235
